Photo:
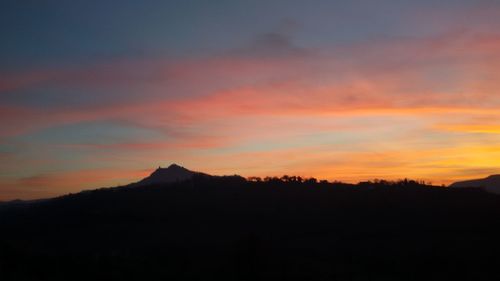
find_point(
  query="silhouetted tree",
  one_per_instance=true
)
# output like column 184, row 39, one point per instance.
column 285, row 178
column 255, row 179
column 311, row 181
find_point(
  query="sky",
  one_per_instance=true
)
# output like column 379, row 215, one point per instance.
column 100, row 93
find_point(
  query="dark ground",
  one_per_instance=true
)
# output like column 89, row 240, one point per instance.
column 226, row 228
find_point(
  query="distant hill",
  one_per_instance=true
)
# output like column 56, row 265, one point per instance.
column 173, row 173
column 491, row 184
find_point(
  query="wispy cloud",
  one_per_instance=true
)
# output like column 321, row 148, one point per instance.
column 388, row 108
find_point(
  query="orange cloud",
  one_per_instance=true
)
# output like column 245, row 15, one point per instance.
column 387, row 110
column 474, row 128
column 64, row 182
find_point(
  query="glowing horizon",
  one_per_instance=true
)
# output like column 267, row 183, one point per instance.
column 94, row 95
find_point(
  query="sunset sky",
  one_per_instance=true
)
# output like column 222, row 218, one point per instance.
column 100, row 93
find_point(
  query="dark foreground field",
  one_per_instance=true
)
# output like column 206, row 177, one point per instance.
column 227, row 228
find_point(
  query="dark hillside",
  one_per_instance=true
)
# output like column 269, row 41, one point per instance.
column 228, row 228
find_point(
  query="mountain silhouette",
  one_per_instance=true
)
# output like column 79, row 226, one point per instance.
column 490, row 184
column 178, row 224
column 173, row 173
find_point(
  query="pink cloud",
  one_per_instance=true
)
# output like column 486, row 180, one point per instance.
column 234, row 101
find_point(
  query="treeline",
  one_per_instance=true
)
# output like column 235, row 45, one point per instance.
column 312, row 180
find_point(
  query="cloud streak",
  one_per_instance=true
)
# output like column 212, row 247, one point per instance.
column 339, row 110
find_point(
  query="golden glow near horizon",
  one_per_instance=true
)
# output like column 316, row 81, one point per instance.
column 422, row 104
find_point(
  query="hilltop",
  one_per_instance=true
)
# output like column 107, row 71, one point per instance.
column 490, row 184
